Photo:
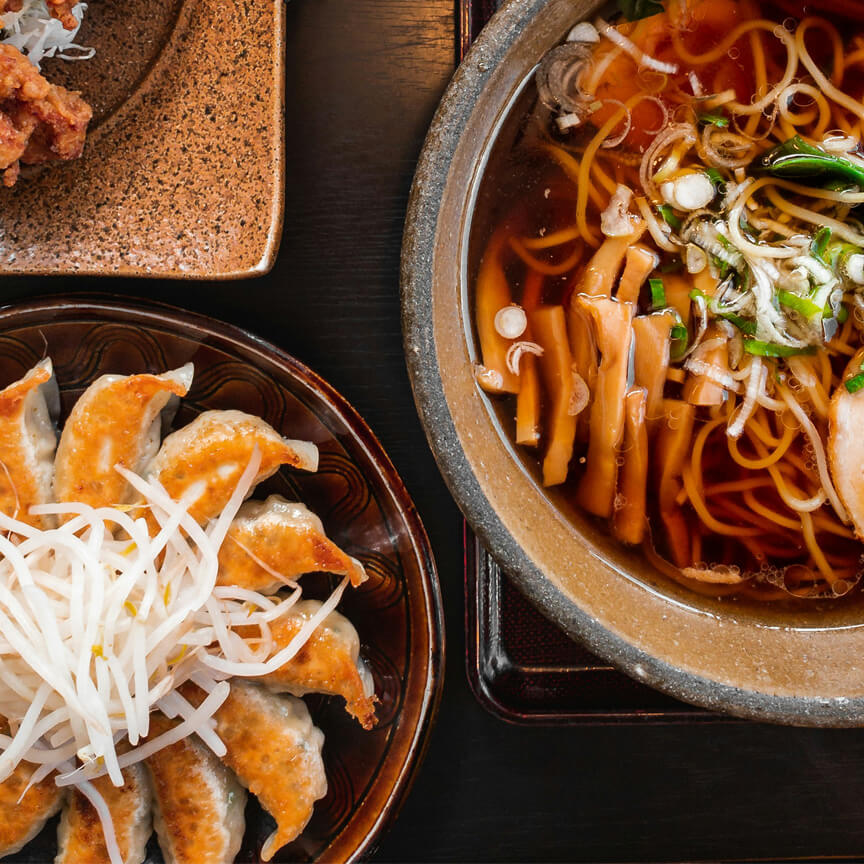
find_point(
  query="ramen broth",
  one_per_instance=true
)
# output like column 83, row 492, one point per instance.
column 667, row 289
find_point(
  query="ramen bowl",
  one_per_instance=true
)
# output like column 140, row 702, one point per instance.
column 794, row 664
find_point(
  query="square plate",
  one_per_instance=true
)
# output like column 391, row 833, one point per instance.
column 182, row 174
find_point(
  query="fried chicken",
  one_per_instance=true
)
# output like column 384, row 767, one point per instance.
column 39, row 122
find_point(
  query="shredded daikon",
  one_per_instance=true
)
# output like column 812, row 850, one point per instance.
column 101, row 623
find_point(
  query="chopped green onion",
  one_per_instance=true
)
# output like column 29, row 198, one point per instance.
column 721, row 265
column 723, row 240
column 806, row 307
column 716, row 178
column 853, row 385
column 842, row 313
column 680, row 337
column 714, row 120
column 633, row 10
column 695, row 294
column 769, row 349
column 745, row 326
column 669, row 216
column 658, row 293
column 747, row 227
column 820, row 244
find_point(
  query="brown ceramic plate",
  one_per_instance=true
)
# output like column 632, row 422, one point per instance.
column 182, row 174
column 801, row 667
column 357, row 494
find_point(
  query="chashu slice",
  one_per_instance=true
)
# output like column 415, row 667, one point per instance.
column 845, row 425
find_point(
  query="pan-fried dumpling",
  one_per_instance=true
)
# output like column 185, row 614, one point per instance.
column 275, row 751
column 328, row 663
column 198, row 803
column 281, row 536
column 115, row 421
column 80, row 838
column 215, row 448
column 27, row 442
column 21, row 822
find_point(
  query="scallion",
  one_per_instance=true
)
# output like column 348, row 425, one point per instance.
column 820, row 244
column 721, row 265
column 669, row 216
column 805, row 307
column 658, row 293
column 713, row 120
column 842, row 313
column 769, row 349
column 680, row 337
column 716, row 178
column 745, row 326
column 854, row 384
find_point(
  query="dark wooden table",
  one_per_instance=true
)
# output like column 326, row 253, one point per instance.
column 363, row 80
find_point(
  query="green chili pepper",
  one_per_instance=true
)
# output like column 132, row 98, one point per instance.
column 795, row 159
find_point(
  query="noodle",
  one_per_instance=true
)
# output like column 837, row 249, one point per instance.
column 747, row 333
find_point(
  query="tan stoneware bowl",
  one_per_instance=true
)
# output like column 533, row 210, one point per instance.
column 799, row 666
column 182, row 174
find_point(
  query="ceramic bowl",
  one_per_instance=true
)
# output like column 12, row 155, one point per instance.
column 356, row 492
column 183, row 170
column 798, row 667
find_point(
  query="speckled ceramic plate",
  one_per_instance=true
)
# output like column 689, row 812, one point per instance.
column 802, row 666
column 358, row 496
column 182, row 174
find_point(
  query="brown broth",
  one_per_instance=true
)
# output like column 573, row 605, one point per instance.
column 525, row 193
